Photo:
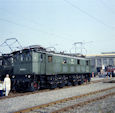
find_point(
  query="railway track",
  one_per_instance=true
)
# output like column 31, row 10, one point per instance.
column 16, row 94
column 83, row 103
column 64, row 105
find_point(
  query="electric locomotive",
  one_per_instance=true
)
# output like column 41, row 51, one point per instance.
column 36, row 68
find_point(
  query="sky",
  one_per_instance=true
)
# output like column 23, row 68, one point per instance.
column 60, row 24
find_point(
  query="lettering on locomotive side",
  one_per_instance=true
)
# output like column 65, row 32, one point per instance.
column 22, row 69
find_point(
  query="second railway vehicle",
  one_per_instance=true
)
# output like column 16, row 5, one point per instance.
column 6, row 65
column 36, row 68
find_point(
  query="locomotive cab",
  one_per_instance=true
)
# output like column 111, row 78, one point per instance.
column 29, row 66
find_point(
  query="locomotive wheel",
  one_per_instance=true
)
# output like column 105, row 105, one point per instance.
column 80, row 82
column 61, row 85
column 75, row 83
column 53, row 86
column 69, row 83
column 34, row 86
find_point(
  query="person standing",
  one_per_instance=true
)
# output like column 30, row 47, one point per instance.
column 7, row 84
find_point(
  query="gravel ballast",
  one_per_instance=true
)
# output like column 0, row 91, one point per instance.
column 106, row 105
column 17, row 103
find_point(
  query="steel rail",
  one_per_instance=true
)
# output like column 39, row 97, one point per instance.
column 61, row 101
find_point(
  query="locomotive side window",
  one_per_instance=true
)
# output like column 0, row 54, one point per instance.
column 49, row 58
column 64, row 60
column 72, row 61
column 12, row 60
column 0, row 62
column 28, row 57
column 41, row 58
column 16, row 57
column 78, row 61
column 22, row 57
column 87, row 63
column 5, row 62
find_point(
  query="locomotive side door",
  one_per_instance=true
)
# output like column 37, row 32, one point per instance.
column 38, row 63
column 42, row 63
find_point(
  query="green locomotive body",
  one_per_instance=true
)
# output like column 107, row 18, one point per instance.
column 34, row 69
column 62, row 64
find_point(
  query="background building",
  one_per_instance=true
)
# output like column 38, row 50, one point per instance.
column 99, row 62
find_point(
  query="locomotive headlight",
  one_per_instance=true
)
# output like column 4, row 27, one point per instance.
column 26, row 75
column 29, row 76
column 13, row 76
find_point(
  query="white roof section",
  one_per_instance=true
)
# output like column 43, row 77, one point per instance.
column 67, row 56
column 100, row 55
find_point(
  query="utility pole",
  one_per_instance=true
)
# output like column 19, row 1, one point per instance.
column 80, row 46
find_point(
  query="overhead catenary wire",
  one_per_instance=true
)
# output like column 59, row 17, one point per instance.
column 35, row 29
column 107, row 6
column 25, row 26
column 31, row 28
column 89, row 15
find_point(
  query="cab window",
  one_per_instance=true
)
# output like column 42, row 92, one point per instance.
column 0, row 62
column 64, row 60
column 41, row 57
column 22, row 57
column 28, row 56
column 49, row 58
column 78, row 61
column 87, row 63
